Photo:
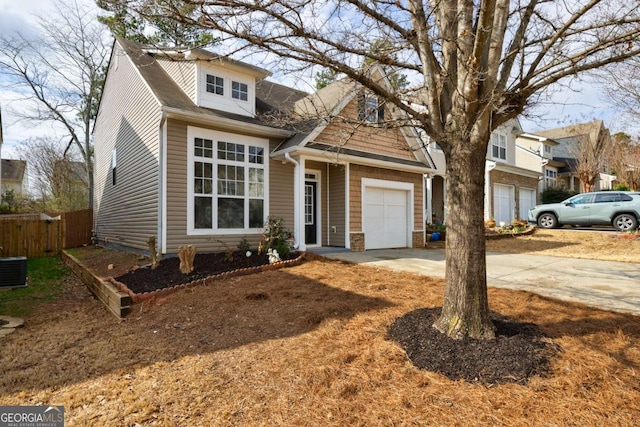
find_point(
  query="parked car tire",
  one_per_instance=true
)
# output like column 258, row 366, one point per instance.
column 625, row 222
column 547, row 220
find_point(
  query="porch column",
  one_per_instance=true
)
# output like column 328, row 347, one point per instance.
column 298, row 196
column 428, row 196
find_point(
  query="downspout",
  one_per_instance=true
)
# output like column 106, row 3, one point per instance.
column 296, row 198
column 162, row 188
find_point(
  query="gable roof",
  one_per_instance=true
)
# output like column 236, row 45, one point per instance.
column 316, row 108
column 591, row 129
column 13, row 170
column 171, row 96
column 568, row 136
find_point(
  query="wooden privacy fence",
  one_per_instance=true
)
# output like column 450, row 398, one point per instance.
column 45, row 237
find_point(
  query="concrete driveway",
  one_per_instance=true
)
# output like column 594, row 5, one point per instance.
column 609, row 285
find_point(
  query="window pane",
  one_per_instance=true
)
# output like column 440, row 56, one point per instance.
column 215, row 84
column 256, row 155
column 202, row 211
column 230, row 213
column 256, row 213
column 239, row 91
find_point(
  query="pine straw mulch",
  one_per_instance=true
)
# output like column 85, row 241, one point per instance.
column 307, row 345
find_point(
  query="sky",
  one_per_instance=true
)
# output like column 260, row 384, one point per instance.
column 565, row 107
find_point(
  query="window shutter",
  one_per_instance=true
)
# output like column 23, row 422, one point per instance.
column 381, row 113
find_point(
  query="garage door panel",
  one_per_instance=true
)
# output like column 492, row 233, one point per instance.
column 385, row 218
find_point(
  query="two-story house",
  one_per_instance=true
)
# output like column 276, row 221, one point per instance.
column 195, row 148
column 510, row 189
column 580, row 143
column 14, row 176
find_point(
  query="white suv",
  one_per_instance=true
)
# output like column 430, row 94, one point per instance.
column 620, row 209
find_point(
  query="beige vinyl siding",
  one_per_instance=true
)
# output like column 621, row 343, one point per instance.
column 281, row 176
column 126, row 214
column 357, row 172
column 336, row 208
column 280, row 197
column 528, row 161
column 183, row 73
column 371, row 139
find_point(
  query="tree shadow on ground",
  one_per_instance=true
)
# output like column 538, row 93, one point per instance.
column 79, row 340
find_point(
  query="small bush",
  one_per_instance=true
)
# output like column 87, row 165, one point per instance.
column 276, row 236
column 244, row 246
column 555, row 195
column 621, row 187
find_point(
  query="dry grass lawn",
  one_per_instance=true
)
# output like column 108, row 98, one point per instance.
column 306, row 346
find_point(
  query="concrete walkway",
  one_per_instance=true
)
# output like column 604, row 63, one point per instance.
column 609, row 285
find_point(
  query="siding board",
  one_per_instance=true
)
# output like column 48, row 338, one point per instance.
column 126, row 213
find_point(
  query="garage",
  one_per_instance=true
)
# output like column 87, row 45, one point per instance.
column 385, row 217
column 527, row 200
column 503, row 203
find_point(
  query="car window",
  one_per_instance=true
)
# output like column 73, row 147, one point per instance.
column 607, row 197
column 581, row 199
column 625, row 198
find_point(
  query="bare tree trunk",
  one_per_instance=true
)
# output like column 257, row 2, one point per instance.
column 465, row 311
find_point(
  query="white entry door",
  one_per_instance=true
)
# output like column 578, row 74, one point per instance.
column 503, row 200
column 527, row 200
column 385, row 213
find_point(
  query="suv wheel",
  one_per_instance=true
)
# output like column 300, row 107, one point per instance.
column 625, row 222
column 547, row 220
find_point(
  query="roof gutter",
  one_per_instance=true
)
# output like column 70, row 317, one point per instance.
column 226, row 123
column 340, row 158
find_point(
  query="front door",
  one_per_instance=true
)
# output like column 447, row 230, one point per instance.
column 310, row 213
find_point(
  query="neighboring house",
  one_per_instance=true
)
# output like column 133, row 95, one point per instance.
column 70, row 185
column 577, row 144
column 13, row 176
column 194, row 148
column 535, row 152
column 510, row 189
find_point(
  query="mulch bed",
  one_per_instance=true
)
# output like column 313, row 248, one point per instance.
column 519, row 351
column 167, row 274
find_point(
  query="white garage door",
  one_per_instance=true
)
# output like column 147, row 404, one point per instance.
column 503, row 203
column 527, row 201
column 385, row 218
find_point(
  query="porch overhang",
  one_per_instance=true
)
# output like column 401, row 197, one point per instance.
column 338, row 155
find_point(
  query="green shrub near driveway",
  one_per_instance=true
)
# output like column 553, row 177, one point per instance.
column 555, row 195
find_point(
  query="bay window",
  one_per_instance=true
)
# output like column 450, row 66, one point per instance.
column 228, row 177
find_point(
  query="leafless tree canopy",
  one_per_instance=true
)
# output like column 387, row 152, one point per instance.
column 622, row 86
column 472, row 65
column 59, row 73
column 478, row 60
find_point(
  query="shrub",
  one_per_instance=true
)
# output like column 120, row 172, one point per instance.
column 621, row 187
column 555, row 195
column 276, row 236
column 244, row 246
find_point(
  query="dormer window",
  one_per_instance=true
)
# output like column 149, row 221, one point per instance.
column 239, row 91
column 370, row 109
column 498, row 146
column 215, row 84
column 547, row 149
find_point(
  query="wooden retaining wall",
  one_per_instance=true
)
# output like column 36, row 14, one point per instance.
column 118, row 303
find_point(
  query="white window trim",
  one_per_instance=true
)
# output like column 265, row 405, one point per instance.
column 371, row 116
column 318, row 180
column 497, row 139
column 239, row 91
column 215, row 136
